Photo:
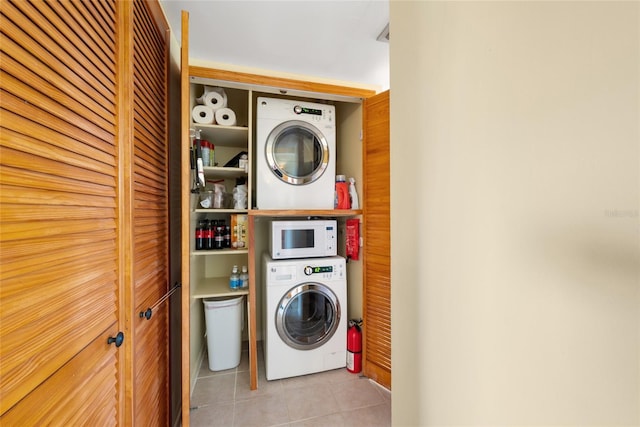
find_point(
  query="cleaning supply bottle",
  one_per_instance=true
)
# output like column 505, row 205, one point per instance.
column 355, row 204
column 342, row 193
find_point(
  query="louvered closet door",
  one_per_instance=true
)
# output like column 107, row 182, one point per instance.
column 377, row 238
column 58, row 232
column 150, row 219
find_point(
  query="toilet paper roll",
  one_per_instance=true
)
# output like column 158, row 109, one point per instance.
column 203, row 115
column 214, row 100
column 225, row 117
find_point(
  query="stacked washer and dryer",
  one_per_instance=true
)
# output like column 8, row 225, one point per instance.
column 305, row 283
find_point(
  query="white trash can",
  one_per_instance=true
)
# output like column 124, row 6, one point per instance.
column 223, row 318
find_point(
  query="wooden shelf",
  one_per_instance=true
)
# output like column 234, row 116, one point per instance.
column 219, row 252
column 270, row 84
column 224, row 172
column 214, row 287
column 221, row 211
column 228, row 136
column 305, row 212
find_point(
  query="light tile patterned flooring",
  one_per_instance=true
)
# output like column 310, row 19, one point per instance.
column 333, row 398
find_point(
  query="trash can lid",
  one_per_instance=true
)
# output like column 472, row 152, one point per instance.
column 217, row 302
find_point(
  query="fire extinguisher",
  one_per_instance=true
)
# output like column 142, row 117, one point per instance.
column 354, row 346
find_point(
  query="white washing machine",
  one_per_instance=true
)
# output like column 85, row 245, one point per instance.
column 305, row 310
column 295, row 154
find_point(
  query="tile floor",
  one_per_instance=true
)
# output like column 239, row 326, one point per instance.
column 333, row 398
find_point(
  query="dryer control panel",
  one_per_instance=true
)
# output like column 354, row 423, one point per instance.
column 288, row 109
column 298, row 109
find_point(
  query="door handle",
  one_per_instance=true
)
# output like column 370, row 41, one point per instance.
column 117, row 340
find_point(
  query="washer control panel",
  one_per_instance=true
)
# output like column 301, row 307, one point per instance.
column 295, row 271
column 335, row 271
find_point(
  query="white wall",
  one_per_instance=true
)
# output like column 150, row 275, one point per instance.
column 515, row 158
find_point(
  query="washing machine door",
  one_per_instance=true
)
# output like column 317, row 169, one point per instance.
column 308, row 316
column 297, row 152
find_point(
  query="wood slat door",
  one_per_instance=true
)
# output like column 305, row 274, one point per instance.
column 185, row 177
column 150, row 215
column 84, row 234
column 58, row 238
column 377, row 242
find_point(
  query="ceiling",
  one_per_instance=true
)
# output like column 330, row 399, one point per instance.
column 327, row 40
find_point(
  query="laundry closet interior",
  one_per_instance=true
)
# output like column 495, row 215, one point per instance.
column 206, row 272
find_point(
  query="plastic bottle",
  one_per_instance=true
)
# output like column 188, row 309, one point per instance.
column 243, row 162
column 200, row 235
column 206, row 151
column 244, row 277
column 234, row 279
column 342, row 193
column 209, row 233
column 227, row 236
column 355, row 204
column 218, row 239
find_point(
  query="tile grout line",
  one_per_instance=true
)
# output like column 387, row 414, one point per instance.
column 235, row 391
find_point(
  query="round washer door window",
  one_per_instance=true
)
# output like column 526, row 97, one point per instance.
column 297, row 152
column 307, row 316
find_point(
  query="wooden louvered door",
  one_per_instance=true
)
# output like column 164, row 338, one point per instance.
column 150, row 225
column 59, row 234
column 377, row 242
column 185, row 197
column 84, row 218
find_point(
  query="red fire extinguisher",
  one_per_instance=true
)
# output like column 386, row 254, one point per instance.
column 354, row 346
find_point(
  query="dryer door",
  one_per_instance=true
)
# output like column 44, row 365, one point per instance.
column 297, row 152
column 307, row 316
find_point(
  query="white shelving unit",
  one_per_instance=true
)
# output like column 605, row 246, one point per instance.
column 211, row 268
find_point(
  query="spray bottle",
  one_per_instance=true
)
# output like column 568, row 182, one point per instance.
column 353, row 194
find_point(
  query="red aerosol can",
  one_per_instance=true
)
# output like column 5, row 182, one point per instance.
column 354, row 346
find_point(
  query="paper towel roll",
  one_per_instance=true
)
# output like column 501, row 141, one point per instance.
column 225, row 117
column 213, row 100
column 203, row 115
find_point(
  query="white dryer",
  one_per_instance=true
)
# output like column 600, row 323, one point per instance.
column 295, row 154
column 305, row 316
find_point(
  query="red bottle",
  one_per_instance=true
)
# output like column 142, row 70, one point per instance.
column 342, row 193
column 354, row 347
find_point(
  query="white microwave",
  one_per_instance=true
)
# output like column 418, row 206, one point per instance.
column 303, row 239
